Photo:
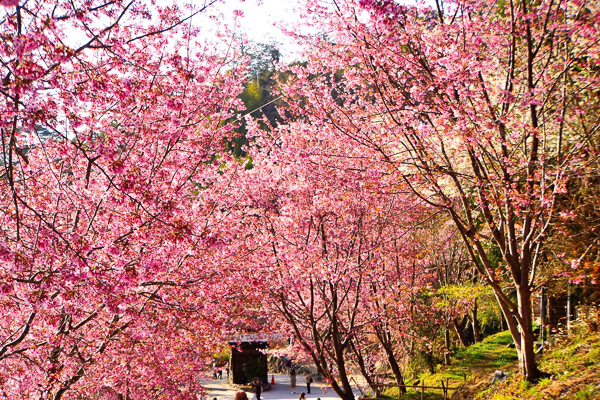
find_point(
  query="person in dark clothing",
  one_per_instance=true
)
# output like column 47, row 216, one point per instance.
column 257, row 385
column 309, row 380
column 288, row 363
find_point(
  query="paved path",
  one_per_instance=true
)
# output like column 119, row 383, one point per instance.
column 280, row 391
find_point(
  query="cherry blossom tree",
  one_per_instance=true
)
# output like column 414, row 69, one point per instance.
column 332, row 247
column 481, row 107
column 112, row 166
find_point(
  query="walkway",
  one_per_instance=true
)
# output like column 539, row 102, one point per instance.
column 280, row 391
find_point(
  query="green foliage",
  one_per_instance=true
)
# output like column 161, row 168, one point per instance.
column 262, row 77
column 544, row 382
column 426, row 355
column 488, row 310
column 414, row 394
column 587, row 392
column 422, row 361
column 494, row 255
column 253, row 370
column 523, row 385
column 464, row 291
column 257, row 96
column 252, row 95
column 222, row 356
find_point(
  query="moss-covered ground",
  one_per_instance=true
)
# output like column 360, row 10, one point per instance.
column 571, row 364
column 470, row 367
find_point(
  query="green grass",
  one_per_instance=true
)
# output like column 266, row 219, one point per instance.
column 587, row 392
column 573, row 367
column 413, row 394
column 484, row 357
column 572, row 364
column 487, row 356
column 570, row 356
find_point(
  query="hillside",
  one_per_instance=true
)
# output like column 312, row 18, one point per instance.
column 572, row 363
column 573, row 366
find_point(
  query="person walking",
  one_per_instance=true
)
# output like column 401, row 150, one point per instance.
column 293, row 380
column 257, row 385
column 309, row 380
column 302, row 396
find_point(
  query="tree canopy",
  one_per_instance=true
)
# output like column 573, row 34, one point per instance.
column 162, row 193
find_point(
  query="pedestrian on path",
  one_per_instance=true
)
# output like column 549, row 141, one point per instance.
column 302, row 396
column 309, row 380
column 293, row 380
column 241, row 395
column 257, row 385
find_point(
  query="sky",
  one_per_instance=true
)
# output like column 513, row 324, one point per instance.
column 259, row 20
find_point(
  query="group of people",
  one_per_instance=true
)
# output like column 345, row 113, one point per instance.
column 218, row 370
column 257, row 386
column 307, row 377
column 241, row 395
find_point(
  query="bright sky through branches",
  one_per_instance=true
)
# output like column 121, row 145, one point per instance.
column 261, row 21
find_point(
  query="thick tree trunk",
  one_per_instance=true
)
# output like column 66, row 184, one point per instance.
column 522, row 333
column 459, row 328
column 385, row 339
column 527, row 363
column 397, row 372
column 338, row 349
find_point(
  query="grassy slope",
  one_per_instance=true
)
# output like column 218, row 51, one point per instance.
column 573, row 364
column 471, row 368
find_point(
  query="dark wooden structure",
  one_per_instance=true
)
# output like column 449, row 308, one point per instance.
column 552, row 309
column 247, row 361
